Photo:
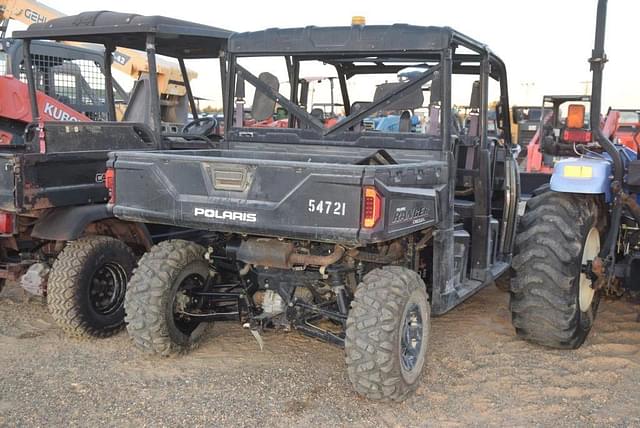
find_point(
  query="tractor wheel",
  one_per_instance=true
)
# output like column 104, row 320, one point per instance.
column 157, row 298
column 87, row 285
column 387, row 334
column 552, row 301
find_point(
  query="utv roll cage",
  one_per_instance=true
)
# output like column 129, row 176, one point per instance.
column 359, row 50
column 440, row 52
column 155, row 35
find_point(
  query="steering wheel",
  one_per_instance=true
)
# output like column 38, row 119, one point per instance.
column 203, row 126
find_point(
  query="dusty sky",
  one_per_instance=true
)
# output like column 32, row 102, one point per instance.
column 545, row 43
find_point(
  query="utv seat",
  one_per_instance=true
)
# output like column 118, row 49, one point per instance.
column 405, row 122
column 139, row 108
column 318, row 113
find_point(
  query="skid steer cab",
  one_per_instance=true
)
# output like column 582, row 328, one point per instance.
column 581, row 238
column 57, row 237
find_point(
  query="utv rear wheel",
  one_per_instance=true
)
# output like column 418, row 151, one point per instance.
column 387, row 334
column 157, row 297
column 552, row 299
column 87, row 285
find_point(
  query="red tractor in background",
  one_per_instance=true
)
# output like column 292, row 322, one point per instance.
column 562, row 126
column 628, row 127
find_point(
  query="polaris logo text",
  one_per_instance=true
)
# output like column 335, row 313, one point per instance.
column 57, row 113
column 226, row 215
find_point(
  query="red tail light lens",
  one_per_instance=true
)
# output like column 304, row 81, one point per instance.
column 372, row 207
column 110, row 184
column 6, row 223
column 576, row 136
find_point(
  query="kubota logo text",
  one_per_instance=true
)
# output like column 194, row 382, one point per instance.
column 226, row 215
column 57, row 113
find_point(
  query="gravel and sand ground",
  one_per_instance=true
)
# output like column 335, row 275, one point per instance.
column 478, row 373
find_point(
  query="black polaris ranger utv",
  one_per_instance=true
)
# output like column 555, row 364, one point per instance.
column 348, row 235
column 56, row 235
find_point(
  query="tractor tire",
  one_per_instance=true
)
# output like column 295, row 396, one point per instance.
column 87, row 285
column 387, row 334
column 551, row 301
column 153, row 294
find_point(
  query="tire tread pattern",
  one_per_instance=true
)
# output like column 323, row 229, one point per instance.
column 373, row 363
column 64, row 282
column 546, row 267
column 147, row 294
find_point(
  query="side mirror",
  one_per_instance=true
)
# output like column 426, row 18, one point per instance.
column 474, row 103
column 263, row 106
column 435, row 93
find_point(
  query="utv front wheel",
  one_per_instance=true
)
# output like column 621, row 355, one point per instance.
column 552, row 299
column 87, row 285
column 157, row 299
column 387, row 334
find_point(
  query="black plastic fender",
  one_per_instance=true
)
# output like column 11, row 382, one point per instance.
column 67, row 224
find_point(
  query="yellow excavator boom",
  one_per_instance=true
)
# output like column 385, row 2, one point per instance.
column 130, row 62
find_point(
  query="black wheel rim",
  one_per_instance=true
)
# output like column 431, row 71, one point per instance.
column 182, row 303
column 107, row 288
column 411, row 340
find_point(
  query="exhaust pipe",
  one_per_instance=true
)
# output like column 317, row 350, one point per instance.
column 279, row 254
column 598, row 60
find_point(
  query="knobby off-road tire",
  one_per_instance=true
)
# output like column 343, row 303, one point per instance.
column 546, row 291
column 87, row 285
column 390, row 304
column 151, row 298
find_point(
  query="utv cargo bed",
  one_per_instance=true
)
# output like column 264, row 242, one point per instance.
column 301, row 193
column 67, row 169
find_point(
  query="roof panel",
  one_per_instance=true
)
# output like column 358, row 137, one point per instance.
column 174, row 37
column 367, row 38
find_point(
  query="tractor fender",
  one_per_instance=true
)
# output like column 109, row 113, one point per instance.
column 70, row 223
column 582, row 176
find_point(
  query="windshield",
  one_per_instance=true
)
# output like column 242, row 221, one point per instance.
column 356, row 96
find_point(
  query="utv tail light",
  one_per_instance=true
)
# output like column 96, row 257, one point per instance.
column 372, row 207
column 6, row 223
column 576, row 136
column 110, row 184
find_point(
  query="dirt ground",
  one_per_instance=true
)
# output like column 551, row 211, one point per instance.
column 478, row 373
